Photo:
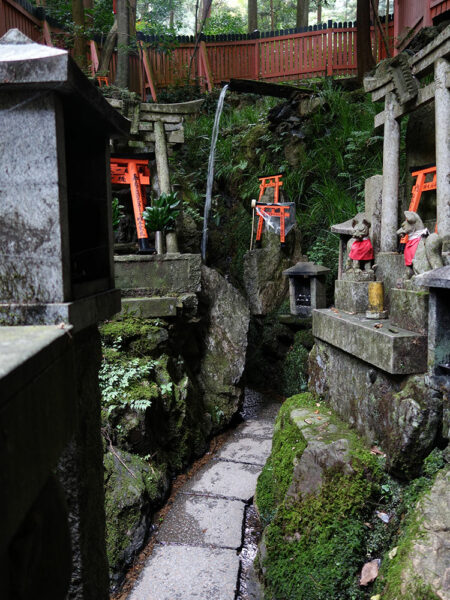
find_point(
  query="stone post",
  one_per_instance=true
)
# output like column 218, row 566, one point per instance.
column 56, row 271
column 442, row 108
column 162, row 164
column 391, row 149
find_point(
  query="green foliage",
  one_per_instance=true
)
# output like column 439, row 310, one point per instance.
column 125, row 384
column 117, row 213
column 225, row 20
column 162, row 214
column 295, row 367
column 338, row 151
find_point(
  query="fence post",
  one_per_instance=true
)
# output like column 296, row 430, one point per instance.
column 2, row 19
column 206, row 66
column 148, row 72
column 256, row 61
column 330, row 56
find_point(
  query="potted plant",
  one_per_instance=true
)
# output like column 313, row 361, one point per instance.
column 161, row 217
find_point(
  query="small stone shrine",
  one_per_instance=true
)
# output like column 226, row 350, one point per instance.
column 389, row 377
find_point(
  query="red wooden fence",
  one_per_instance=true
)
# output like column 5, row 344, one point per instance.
column 327, row 51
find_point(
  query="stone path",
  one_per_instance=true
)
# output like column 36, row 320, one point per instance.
column 197, row 554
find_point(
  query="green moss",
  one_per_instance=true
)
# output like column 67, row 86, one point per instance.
column 295, row 366
column 140, row 337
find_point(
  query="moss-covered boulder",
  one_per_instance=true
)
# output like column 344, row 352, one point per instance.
column 133, row 488
column 419, row 565
column 315, row 494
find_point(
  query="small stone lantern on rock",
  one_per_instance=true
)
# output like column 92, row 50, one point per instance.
column 306, row 287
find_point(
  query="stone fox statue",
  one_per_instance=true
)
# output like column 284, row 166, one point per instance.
column 422, row 250
column 359, row 247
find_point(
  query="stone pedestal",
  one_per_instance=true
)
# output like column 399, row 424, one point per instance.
column 390, row 268
column 351, row 296
column 409, row 310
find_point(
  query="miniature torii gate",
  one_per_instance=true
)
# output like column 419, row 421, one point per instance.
column 135, row 173
column 277, row 210
column 419, row 187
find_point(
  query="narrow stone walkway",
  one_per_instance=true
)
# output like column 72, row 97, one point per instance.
column 197, row 553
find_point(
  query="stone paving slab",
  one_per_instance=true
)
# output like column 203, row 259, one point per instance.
column 257, row 429
column 232, row 480
column 196, row 520
column 188, row 572
column 247, row 450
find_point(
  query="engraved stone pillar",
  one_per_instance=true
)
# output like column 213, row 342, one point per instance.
column 391, row 149
column 442, row 107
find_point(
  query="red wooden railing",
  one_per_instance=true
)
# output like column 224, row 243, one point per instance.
column 325, row 51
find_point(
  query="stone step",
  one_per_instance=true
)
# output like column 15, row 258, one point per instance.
column 188, row 573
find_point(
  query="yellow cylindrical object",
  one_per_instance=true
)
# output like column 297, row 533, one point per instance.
column 376, row 296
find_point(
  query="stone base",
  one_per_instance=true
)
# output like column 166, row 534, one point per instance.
column 376, row 315
column 395, row 351
column 390, row 268
column 158, row 275
column 409, row 310
column 159, row 306
column 80, row 313
column 358, row 275
column 351, row 296
column 401, row 414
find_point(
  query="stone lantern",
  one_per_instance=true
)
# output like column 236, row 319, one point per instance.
column 56, row 250
column 306, row 287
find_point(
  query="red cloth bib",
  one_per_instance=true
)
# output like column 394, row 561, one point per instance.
column 362, row 250
column 410, row 250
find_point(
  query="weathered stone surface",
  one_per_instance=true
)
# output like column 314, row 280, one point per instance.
column 199, row 521
column 401, row 413
column 351, row 296
column 248, row 450
column 132, row 486
column 373, row 191
column 393, row 350
column 231, row 480
column 159, row 275
column 264, row 282
column 414, row 420
column 429, row 557
column 225, row 341
column 317, row 458
column 409, row 310
column 145, row 308
column 181, row 572
column 390, row 267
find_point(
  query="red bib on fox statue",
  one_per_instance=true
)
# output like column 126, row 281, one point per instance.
column 361, row 250
column 410, row 250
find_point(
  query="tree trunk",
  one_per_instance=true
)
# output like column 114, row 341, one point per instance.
column 272, row 16
column 365, row 59
column 319, row 12
column 122, row 74
column 107, row 50
column 302, row 13
column 79, row 41
column 252, row 15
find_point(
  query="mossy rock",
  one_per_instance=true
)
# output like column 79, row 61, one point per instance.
column 252, row 140
column 139, row 337
column 314, row 542
column 133, row 488
column 417, row 569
